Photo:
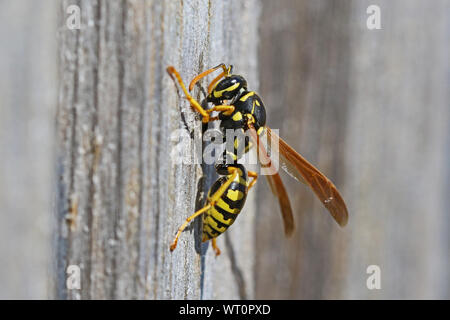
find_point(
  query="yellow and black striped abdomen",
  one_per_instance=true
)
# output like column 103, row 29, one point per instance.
column 225, row 211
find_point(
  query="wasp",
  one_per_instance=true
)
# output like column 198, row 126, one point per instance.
column 241, row 109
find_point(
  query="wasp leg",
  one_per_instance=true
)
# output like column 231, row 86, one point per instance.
column 185, row 224
column 226, row 109
column 216, row 196
column 194, row 103
column 211, row 201
column 216, row 79
column 254, row 175
column 226, row 71
column 215, row 247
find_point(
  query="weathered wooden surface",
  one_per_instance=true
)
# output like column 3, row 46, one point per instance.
column 27, row 108
column 370, row 109
column 121, row 197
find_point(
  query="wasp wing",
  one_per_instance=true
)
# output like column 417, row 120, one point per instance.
column 275, row 183
column 305, row 172
column 278, row 159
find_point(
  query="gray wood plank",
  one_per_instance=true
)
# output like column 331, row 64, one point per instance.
column 121, row 194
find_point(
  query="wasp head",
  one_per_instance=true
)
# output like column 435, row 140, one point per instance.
column 227, row 89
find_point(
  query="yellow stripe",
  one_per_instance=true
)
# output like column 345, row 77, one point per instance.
column 247, row 95
column 214, row 225
column 260, row 130
column 218, row 94
column 237, row 116
column 207, row 229
column 235, row 195
column 219, row 217
column 223, row 205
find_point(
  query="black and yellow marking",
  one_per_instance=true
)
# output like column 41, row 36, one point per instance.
column 240, row 145
column 246, row 96
column 237, row 108
column 226, row 89
column 220, row 216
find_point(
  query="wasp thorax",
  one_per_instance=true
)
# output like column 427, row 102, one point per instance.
column 227, row 89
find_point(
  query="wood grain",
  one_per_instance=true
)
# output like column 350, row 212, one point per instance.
column 117, row 109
